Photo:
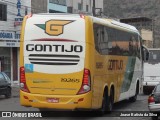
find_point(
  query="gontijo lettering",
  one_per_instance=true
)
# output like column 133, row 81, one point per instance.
column 115, row 65
column 54, row 48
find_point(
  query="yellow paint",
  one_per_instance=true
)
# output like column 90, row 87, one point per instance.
column 100, row 78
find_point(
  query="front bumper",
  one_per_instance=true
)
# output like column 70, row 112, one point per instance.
column 66, row 102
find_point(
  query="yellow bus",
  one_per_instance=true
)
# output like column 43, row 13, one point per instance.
column 76, row 62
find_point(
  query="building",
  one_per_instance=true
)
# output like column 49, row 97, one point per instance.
column 145, row 27
column 147, row 36
column 84, row 6
column 49, row 6
column 66, row 6
column 11, row 16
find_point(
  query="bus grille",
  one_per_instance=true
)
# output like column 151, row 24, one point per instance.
column 50, row 59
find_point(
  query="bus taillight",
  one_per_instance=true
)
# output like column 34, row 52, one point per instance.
column 82, row 16
column 86, row 83
column 23, row 84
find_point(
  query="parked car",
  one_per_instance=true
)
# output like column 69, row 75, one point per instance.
column 154, row 101
column 5, row 85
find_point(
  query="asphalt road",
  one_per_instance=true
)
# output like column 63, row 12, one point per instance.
column 125, row 107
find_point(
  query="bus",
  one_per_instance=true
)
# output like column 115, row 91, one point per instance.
column 78, row 62
column 151, row 76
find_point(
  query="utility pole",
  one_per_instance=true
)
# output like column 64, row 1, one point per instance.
column 93, row 8
column 153, row 31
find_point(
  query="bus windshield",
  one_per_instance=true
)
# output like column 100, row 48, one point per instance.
column 154, row 56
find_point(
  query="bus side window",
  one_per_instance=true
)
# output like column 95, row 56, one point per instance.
column 101, row 39
column 133, row 45
column 138, row 44
column 96, row 37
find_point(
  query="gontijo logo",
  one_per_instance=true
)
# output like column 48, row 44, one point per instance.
column 54, row 27
column 53, row 53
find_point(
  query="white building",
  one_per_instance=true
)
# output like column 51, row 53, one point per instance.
column 11, row 16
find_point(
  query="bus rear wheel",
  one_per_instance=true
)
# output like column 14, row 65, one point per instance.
column 104, row 103
column 107, row 104
column 110, row 102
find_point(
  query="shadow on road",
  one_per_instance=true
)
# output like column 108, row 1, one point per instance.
column 2, row 97
column 123, row 106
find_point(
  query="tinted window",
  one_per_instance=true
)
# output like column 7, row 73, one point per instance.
column 157, row 88
column 6, row 77
column 86, row 8
column 101, row 39
column 154, row 56
column 1, row 77
column 3, row 12
column 60, row 2
column 111, row 41
column 79, row 6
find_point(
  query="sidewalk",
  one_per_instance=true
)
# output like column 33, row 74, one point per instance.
column 15, row 91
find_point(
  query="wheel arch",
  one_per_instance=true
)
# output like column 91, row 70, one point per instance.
column 108, row 89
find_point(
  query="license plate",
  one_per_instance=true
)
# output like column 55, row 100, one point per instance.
column 53, row 100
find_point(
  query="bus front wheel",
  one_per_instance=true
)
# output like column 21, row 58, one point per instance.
column 134, row 98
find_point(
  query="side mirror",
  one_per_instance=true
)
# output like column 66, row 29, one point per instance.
column 145, row 53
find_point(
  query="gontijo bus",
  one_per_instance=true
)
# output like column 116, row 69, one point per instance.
column 78, row 62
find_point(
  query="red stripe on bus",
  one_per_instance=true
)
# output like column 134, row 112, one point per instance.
column 57, row 39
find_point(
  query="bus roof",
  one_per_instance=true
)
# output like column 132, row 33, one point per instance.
column 56, row 15
column 103, row 21
column 114, row 23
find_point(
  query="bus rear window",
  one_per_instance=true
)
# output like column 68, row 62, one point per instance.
column 154, row 56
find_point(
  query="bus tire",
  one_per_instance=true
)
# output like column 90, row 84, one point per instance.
column 107, row 103
column 110, row 100
column 134, row 98
column 145, row 91
column 103, row 109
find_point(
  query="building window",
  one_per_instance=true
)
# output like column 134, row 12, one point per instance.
column 70, row 9
column 54, row 11
column 86, row 8
column 3, row 12
column 26, row 10
column 79, row 6
column 59, row 2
